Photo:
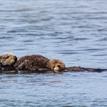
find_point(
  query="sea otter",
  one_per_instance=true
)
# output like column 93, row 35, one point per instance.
column 34, row 63
column 7, row 62
column 37, row 64
column 41, row 64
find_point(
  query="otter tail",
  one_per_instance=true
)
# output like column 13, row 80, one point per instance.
column 95, row 69
column 82, row 69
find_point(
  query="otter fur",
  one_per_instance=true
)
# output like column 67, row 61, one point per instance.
column 7, row 62
column 38, row 62
column 56, row 65
column 31, row 63
column 83, row 69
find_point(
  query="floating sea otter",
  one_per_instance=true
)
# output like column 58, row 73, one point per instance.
column 38, row 63
column 7, row 62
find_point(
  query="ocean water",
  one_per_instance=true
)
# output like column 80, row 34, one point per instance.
column 74, row 31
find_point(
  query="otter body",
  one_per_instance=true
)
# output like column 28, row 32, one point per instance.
column 37, row 64
column 31, row 63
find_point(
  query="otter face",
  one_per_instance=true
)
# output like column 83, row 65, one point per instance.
column 8, row 59
column 56, row 65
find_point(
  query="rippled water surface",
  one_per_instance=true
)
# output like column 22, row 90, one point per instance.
column 72, row 30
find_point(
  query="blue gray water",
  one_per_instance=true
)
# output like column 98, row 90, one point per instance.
column 72, row 30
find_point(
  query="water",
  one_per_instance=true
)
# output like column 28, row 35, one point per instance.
column 72, row 30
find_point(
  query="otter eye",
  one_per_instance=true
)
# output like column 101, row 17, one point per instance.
column 58, row 66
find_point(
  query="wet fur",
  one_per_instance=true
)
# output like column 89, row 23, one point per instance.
column 38, row 64
column 56, row 64
column 7, row 62
column 31, row 62
column 83, row 69
column 8, row 59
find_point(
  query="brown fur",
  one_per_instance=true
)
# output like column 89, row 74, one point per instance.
column 36, row 62
column 8, row 59
column 56, row 65
column 31, row 62
column 7, row 62
column 82, row 69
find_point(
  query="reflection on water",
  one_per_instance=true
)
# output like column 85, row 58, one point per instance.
column 74, row 31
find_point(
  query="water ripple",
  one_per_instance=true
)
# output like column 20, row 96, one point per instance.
column 73, row 31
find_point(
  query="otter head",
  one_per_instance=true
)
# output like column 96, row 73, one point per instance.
column 8, row 59
column 56, row 65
